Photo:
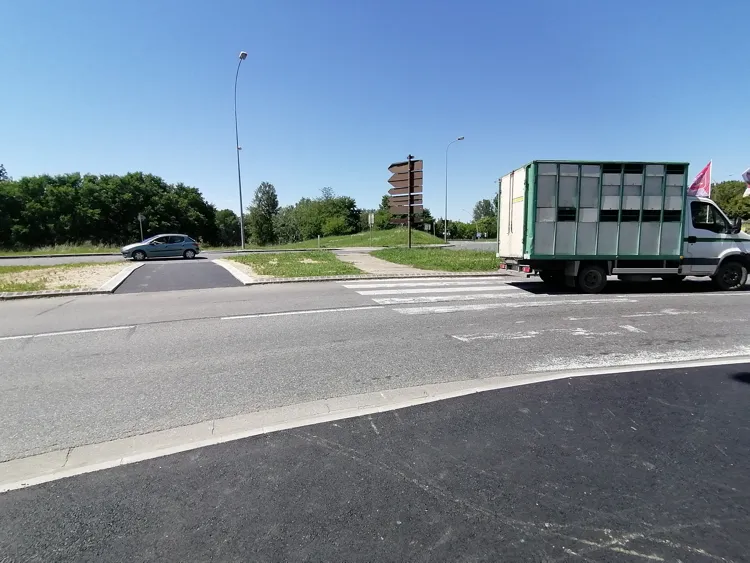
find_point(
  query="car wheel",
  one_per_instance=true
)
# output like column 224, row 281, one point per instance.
column 591, row 279
column 139, row 255
column 188, row 254
column 731, row 276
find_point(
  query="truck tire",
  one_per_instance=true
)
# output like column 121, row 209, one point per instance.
column 591, row 279
column 731, row 275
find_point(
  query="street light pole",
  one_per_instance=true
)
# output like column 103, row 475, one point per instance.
column 243, row 56
column 445, row 218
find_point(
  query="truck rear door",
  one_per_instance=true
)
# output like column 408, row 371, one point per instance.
column 512, row 214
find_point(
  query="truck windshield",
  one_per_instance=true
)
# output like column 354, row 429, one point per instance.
column 708, row 217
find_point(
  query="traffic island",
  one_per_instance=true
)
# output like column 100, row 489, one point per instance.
column 18, row 282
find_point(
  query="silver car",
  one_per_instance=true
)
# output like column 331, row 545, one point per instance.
column 162, row 246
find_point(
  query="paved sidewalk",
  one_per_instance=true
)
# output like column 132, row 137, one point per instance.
column 371, row 265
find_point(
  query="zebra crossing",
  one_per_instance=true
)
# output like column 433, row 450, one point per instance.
column 425, row 296
column 483, row 293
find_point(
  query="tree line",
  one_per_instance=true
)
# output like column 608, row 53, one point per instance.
column 46, row 210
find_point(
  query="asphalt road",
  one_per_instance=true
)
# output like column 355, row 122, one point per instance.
column 649, row 466
column 177, row 274
column 154, row 361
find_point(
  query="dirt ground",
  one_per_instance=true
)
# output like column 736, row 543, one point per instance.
column 84, row 277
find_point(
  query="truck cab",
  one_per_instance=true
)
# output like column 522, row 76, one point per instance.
column 576, row 223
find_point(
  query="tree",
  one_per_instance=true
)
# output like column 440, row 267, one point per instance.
column 3, row 174
column 227, row 227
column 729, row 196
column 483, row 208
column 383, row 214
column 264, row 208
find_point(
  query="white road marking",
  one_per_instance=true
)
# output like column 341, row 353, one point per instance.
column 662, row 313
column 446, row 283
column 631, row 328
column 497, row 279
column 66, row 332
column 407, row 291
column 308, row 312
column 486, row 306
column 446, row 298
column 532, row 334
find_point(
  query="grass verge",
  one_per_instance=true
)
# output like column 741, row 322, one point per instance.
column 389, row 237
column 62, row 276
column 296, row 265
column 440, row 259
column 63, row 249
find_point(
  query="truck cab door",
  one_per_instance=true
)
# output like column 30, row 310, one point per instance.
column 708, row 237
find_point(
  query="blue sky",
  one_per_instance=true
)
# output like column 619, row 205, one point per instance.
column 333, row 91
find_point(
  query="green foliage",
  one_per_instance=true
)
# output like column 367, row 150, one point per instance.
column 483, row 208
column 227, row 228
column 70, row 209
column 261, row 214
column 728, row 195
column 297, row 264
column 3, row 174
column 389, row 237
column 442, row 259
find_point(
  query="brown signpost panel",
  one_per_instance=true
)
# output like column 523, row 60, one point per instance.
column 404, row 209
column 404, row 199
column 402, row 180
column 399, row 221
column 403, row 167
column 404, row 190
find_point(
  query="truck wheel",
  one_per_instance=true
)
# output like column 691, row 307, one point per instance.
column 591, row 279
column 731, row 276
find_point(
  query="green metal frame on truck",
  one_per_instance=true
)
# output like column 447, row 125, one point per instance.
column 530, row 208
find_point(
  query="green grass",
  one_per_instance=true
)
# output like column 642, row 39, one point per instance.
column 62, row 249
column 296, row 265
column 7, row 283
column 390, row 237
column 441, row 259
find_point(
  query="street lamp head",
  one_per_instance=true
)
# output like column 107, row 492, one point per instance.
column 460, row 139
column 243, row 55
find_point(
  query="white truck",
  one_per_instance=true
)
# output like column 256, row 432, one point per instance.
column 577, row 222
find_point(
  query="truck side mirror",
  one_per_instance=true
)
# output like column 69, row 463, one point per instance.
column 737, row 225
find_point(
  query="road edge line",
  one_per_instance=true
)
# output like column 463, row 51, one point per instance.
column 287, row 417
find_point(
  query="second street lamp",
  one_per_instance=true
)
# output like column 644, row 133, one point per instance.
column 445, row 219
column 243, row 56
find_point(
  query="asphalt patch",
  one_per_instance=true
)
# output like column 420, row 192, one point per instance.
column 172, row 275
column 631, row 467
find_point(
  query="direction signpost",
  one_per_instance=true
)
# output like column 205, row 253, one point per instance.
column 406, row 193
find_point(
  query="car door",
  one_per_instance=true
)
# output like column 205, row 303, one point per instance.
column 175, row 246
column 708, row 236
column 158, row 247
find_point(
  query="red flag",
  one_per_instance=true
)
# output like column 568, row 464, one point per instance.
column 701, row 186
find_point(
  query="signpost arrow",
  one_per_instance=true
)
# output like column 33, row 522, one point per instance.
column 406, row 193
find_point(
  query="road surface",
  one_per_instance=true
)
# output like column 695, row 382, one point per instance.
column 623, row 468
column 84, row 370
column 172, row 275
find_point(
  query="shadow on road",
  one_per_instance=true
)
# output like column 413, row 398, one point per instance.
column 742, row 377
column 620, row 287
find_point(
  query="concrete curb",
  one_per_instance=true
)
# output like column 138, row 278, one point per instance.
column 241, row 276
column 42, row 468
column 32, row 256
column 109, row 287
column 116, row 281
